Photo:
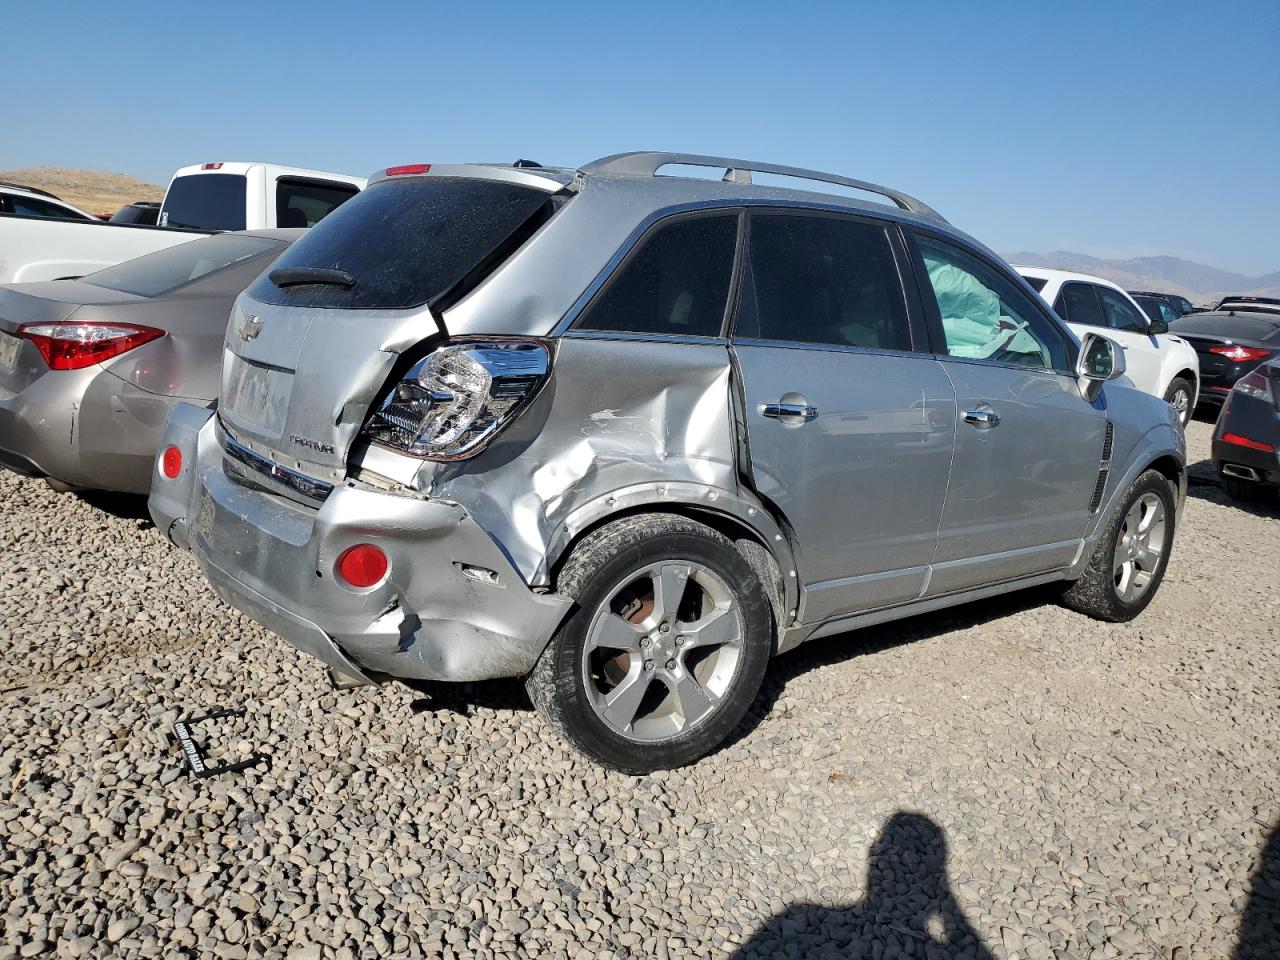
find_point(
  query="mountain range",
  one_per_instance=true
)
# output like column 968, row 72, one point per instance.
column 1197, row 282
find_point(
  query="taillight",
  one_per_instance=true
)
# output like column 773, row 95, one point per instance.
column 171, row 462
column 1254, row 385
column 71, row 346
column 1240, row 354
column 451, row 404
column 362, row 565
column 1240, row 441
column 407, row 169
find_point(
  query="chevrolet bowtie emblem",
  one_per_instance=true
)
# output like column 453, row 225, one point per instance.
column 252, row 327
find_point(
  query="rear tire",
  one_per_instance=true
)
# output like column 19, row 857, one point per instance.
column 1247, row 491
column 1130, row 556
column 630, row 679
column 1179, row 396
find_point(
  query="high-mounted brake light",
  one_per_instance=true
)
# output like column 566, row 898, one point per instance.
column 1239, row 353
column 73, row 345
column 407, row 169
column 211, row 166
column 362, row 565
column 1240, row 441
column 171, row 462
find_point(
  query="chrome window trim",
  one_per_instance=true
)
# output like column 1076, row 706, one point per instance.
column 831, row 348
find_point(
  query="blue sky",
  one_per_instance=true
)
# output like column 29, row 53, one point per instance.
column 1116, row 129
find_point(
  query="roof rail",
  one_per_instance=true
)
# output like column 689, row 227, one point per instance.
column 647, row 164
column 35, row 190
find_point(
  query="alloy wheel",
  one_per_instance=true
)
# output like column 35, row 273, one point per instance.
column 1139, row 545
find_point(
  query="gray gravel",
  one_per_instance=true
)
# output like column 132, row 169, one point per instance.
column 1008, row 780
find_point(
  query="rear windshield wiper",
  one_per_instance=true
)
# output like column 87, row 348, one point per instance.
column 296, row 276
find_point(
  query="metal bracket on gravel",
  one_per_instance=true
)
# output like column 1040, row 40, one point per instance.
column 197, row 762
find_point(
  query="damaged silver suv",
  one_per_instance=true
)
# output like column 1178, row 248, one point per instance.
column 628, row 435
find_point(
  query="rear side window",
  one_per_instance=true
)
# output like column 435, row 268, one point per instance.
column 1077, row 303
column 31, row 207
column 1120, row 313
column 304, row 203
column 154, row 273
column 823, row 280
column 408, row 242
column 676, row 283
column 205, row 201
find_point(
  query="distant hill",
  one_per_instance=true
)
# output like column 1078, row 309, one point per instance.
column 1197, row 282
column 89, row 190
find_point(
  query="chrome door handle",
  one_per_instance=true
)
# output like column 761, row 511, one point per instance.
column 982, row 419
column 783, row 410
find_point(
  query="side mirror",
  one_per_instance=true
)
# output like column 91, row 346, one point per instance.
column 1100, row 360
column 1157, row 327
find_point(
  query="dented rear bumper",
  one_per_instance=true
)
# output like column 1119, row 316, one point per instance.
column 451, row 606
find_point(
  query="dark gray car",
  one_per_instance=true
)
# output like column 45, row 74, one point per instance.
column 628, row 435
column 90, row 367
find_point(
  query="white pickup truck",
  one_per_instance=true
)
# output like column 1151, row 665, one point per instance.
column 201, row 199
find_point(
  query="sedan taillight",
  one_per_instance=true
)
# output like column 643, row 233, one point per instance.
column 1241, row 354
column 72, row 346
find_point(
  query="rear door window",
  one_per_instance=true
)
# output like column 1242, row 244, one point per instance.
column 31, row 207
column 302, row 202
column 1120, row 313
column 155, row 273
column 205, row 201
column 675, row 283
column 1078, row 303
column 408, row 242
column 823, row 280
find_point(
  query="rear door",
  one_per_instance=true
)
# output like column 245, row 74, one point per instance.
column 850, row 426
column 1028, row 446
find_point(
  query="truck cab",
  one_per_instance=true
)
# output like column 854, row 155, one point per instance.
column 238, row 195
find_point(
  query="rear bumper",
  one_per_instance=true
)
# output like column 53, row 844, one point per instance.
column 274, row 560
column 87, row 428
column 1265, row 465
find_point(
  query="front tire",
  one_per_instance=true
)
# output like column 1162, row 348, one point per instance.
column 1131, row 554
column 665, row 649
column 1179, row 396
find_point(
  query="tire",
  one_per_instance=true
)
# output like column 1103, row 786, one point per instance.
column 1247, row 491
column 1104, row 591
column 621, row 577
column 1179, row 396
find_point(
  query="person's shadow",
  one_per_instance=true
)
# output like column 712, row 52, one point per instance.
column 1260, row 925
column 908, row 910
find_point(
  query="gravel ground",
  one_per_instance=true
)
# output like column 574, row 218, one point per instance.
column 1008, row 779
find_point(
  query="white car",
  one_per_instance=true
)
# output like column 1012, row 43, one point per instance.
column 247, row 195
column 19, row 201
column 1158, row 362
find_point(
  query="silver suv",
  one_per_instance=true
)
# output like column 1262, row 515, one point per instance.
column 627, row 436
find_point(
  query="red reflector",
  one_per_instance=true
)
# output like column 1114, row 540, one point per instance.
column 211, row 166
column 1239, row 353
column 1240, row 441
column 171, row 462
column 408, row 169
column 71, row 346
column 362, row 565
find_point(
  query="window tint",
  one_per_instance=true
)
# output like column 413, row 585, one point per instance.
column 31, row 207
column 1183, row 304
column 1152, row 307
column 304, row 203
column 676, row 283
column 1078, row 303
column 1167, row 313
column 408, row 242
column 1120, row 313
column 823, row 280
column 171, row 267
column 984, row 316
column 1037, row 283
column 205, row 201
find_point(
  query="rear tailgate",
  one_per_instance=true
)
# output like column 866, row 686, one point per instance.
column 308, row 352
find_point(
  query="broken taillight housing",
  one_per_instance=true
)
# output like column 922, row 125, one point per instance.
column 72, row 345
column 454, row 401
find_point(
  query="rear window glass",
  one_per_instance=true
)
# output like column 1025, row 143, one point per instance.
column 1234, row 328
column 205, row 201
column 407, row 242
column 171, row 267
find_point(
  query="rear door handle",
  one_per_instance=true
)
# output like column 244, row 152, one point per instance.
column 982, row 419
column 790, row 411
